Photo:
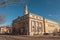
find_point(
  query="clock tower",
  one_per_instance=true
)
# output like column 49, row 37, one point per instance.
column 25, row 10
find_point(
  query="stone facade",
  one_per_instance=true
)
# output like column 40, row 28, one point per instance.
column 36, row 25
column 20, row 25
column 32, row 24
column 50, row 26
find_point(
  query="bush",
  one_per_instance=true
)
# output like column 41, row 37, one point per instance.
column 46, row 33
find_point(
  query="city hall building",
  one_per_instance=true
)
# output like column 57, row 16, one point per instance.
column 32, row 24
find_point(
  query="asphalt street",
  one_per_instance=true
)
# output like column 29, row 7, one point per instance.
column 20, row 37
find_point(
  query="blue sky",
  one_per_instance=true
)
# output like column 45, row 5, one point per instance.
column 49, row 9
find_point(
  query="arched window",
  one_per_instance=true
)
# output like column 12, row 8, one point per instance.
column 32, row 26
column 40, row 27
column 37, row 25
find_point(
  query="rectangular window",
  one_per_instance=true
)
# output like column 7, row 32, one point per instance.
column 51, row 25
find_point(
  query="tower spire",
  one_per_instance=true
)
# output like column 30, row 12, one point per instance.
column 25, row 10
